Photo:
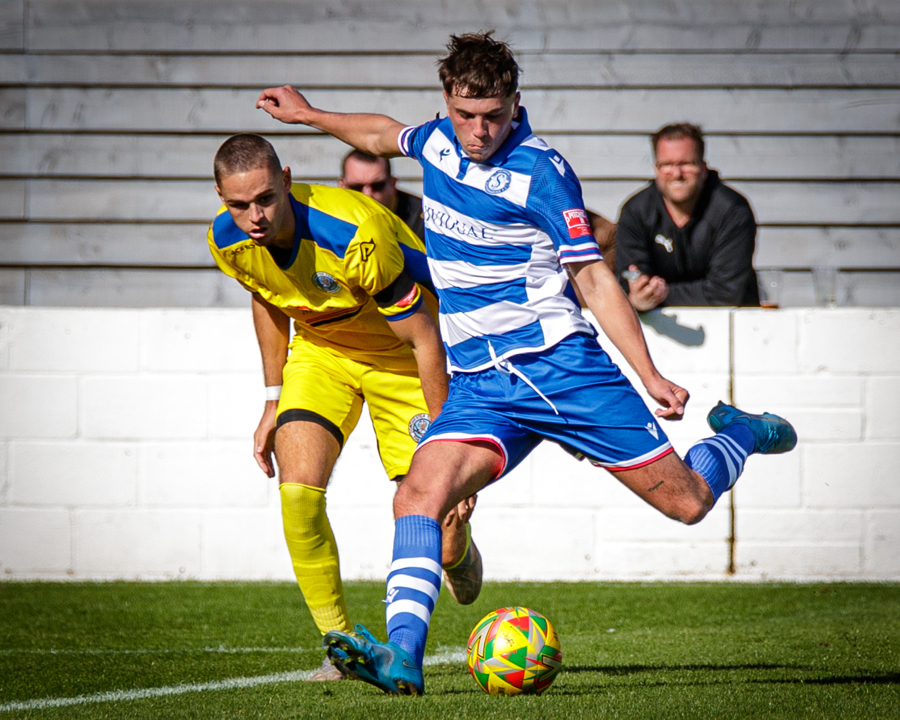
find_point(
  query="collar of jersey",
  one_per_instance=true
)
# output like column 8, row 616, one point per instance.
column 301, row 229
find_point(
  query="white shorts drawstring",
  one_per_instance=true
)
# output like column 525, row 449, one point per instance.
column 506, row 367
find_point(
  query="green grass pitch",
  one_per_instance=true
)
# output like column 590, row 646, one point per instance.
column 659, row 650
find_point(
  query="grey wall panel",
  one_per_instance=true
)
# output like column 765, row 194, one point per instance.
column 12, row 25
column 318, row 156
column 804, row 247
column 549, row 70
column 135, row 288
column 155, row 201
column 12, row 199
column 184, row 245
column 805, row 203
column 135, row 156
column 779, row 203
column 12, row 109
column 12, row 286
column 579, row 24
column 122, row 244
column 756, row 111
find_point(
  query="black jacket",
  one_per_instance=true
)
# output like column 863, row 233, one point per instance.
column 707, row 262
column 409, row 210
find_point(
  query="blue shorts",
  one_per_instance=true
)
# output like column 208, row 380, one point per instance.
column 600, row 416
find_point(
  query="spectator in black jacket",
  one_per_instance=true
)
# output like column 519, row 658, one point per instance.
column 687, row 238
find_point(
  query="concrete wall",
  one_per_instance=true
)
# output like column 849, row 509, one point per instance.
column 125, row 453
column 111, row 111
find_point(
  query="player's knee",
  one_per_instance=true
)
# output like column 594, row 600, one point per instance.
column 693, row 509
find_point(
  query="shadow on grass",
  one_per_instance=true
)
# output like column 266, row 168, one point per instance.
column 889, row 678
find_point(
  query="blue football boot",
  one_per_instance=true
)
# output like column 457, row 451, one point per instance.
column 387, row 666
column 773, row 434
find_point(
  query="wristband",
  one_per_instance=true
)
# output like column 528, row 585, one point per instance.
column 273, row 392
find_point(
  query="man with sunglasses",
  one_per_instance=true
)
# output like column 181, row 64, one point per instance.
column 371, row 175
column 687, row 238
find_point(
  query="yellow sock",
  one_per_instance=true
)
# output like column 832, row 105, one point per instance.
column 314, row 555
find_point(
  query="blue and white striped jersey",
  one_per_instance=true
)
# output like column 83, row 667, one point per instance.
column 497, row 235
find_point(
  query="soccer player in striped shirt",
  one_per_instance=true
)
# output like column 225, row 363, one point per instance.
column 506, row 235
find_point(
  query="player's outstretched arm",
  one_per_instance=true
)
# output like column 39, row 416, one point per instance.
column 273, row 331
column 421, row 333
column 374, row 134
column 605, row 299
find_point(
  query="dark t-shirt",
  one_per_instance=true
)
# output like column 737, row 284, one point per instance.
column 707, row 262
column 409, row 210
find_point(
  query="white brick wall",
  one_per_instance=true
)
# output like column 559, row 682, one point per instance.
column 125, row 439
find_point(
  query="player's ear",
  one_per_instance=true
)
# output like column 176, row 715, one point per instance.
column 219, row 193
column 286, row 179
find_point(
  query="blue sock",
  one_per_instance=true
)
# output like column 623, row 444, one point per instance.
column 414, row 582
column 720, row 459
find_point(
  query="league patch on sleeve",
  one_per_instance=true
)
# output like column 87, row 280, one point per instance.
column 577, row 223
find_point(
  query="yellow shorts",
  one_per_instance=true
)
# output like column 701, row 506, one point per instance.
column 323, row 387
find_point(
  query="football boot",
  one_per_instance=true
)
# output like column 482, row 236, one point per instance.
column 327, row 672
column 463, row 580
column 773, row 434
column 387, row 666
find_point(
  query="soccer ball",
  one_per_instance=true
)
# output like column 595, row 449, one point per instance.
column 514, row 651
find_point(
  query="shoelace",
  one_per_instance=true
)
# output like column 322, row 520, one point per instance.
column 507, row 368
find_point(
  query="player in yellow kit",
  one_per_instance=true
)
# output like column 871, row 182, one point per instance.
column 354, row 280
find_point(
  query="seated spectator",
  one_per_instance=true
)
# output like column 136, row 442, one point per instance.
column 687, row 238
column 372, row 176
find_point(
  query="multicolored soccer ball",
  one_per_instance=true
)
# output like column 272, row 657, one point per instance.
column 514, row 651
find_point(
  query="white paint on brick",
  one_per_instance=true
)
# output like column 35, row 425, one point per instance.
column 765, row 342
column 245, row 544
column 77, row 474
column 806, row 526
column 770, row 482
column 236, row 403
column 836, row 424
column 797, row 559
column 882, row 402
column 769, row 392
column 213, row 474
column 536, row 543
column 850, row 341
column 35, row 542
column 144, row 406
column 4, row 472
column 37, row 406
column 201, row 508
column 365, row 539
column 643, row 524
column 137, row 544
column 845, row 475
column 653, row 560
column 882, row 549
column 199, row 341
column 67, row 340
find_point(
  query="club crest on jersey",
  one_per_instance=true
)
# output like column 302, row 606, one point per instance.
column 418, row 426
column 498, row 182
column 326, row 283
column 577, row 222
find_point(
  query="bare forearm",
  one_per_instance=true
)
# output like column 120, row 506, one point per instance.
column 374, row 134
column 420, row 332
column 273, row 334
column 617, row 318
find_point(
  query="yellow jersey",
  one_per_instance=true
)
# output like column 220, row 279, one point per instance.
column 347, row 248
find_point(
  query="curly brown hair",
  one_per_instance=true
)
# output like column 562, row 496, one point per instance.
column 478, row 66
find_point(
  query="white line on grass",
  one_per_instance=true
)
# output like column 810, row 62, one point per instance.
column 162, row 651
column 443, row 656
